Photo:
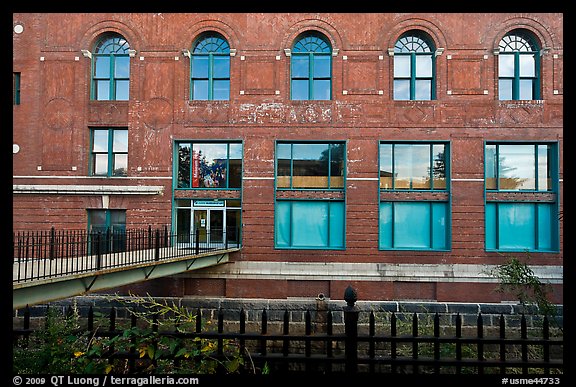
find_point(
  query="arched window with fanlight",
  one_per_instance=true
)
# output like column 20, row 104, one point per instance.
column 111, row 69
column 210, row 68
column 518, row 66
column 311, row 68
column 414, row 67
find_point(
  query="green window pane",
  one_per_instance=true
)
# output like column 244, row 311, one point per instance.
column 439, row 225
column 120, row 165
column 423, row 66
column 517, row 167
column 310, row 166
column 300, row 66
column 221, row 90
column 526, row 91
column 527, row 65
column 386, row 174
column 221, row 67
column 423, row 91
column 491, row 229
column 102, row 90
column 200, row 66
column 102, row 67
column 120, row 142
column 100, row 164
column 122, row 67
column 200, row 90
column 300, row 89
column 336, row 226
column 122, row 90
column 322, row 68
column 184, row 165
column 546, row 227
column 505, row 65
column 401, row 90
column 505, row 89
column 100, row 141
column 321, row 89
column 402, row 66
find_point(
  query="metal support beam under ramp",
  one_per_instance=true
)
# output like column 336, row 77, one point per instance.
column 51, row 289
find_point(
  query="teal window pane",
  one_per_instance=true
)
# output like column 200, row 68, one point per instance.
column 100, row 141
column 505, row 65
column 546, row 240
column 526, row 90
column 122, row 90
column 200, row 67
column 322, row 66
column 283, row 224
column 505, row 89
column 102, row 67
column 120, row 141
column 122, row 67
column 412, row 225
column 402, row 66
column 423, row 66
column 321, row 89
column 184, row 165
column 221, row 67
column 336, row 224
column 491, row 228
column 516, row 226
column 401, row 90
column 439, row 226
column 517, row 167
column 385, row 226
column 300, row 66
column 299, row 89
column 200, row 90
column 544, row 182
column 386, row 173
column 310, row 224
column 120, row 167
column 100, row 164
column 527, row 65
column 102, row 90
column 221, row 90
column 423, row 91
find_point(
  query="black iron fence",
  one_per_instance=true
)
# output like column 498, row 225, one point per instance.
column 46, row 254
column 399, row 344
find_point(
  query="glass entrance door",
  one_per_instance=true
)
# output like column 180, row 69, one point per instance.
column 210, row 223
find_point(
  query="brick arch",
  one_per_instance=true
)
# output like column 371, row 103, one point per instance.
column 317, row 25
column 92, row 35
column 542, row 35
column 389, row 37
column 224, row 29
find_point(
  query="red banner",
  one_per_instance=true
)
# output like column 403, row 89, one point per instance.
column 195, row 169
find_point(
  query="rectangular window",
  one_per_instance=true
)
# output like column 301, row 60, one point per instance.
column 521, row 226
column 518, row 167
column 414, row 225
column 111, row 225
column 209, row 165
column 413, row 166
column 109, row 152
column 16, row 88
column 310, row 165
column 309, row 224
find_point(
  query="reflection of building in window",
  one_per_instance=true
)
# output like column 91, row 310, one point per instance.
column 209, row 165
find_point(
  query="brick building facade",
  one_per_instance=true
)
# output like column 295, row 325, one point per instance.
column 399, row 153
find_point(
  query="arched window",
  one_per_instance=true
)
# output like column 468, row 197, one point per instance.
column 210, row 68
column 518, row 66
column 311, row 68
column 414, row 67
column 111, row 69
